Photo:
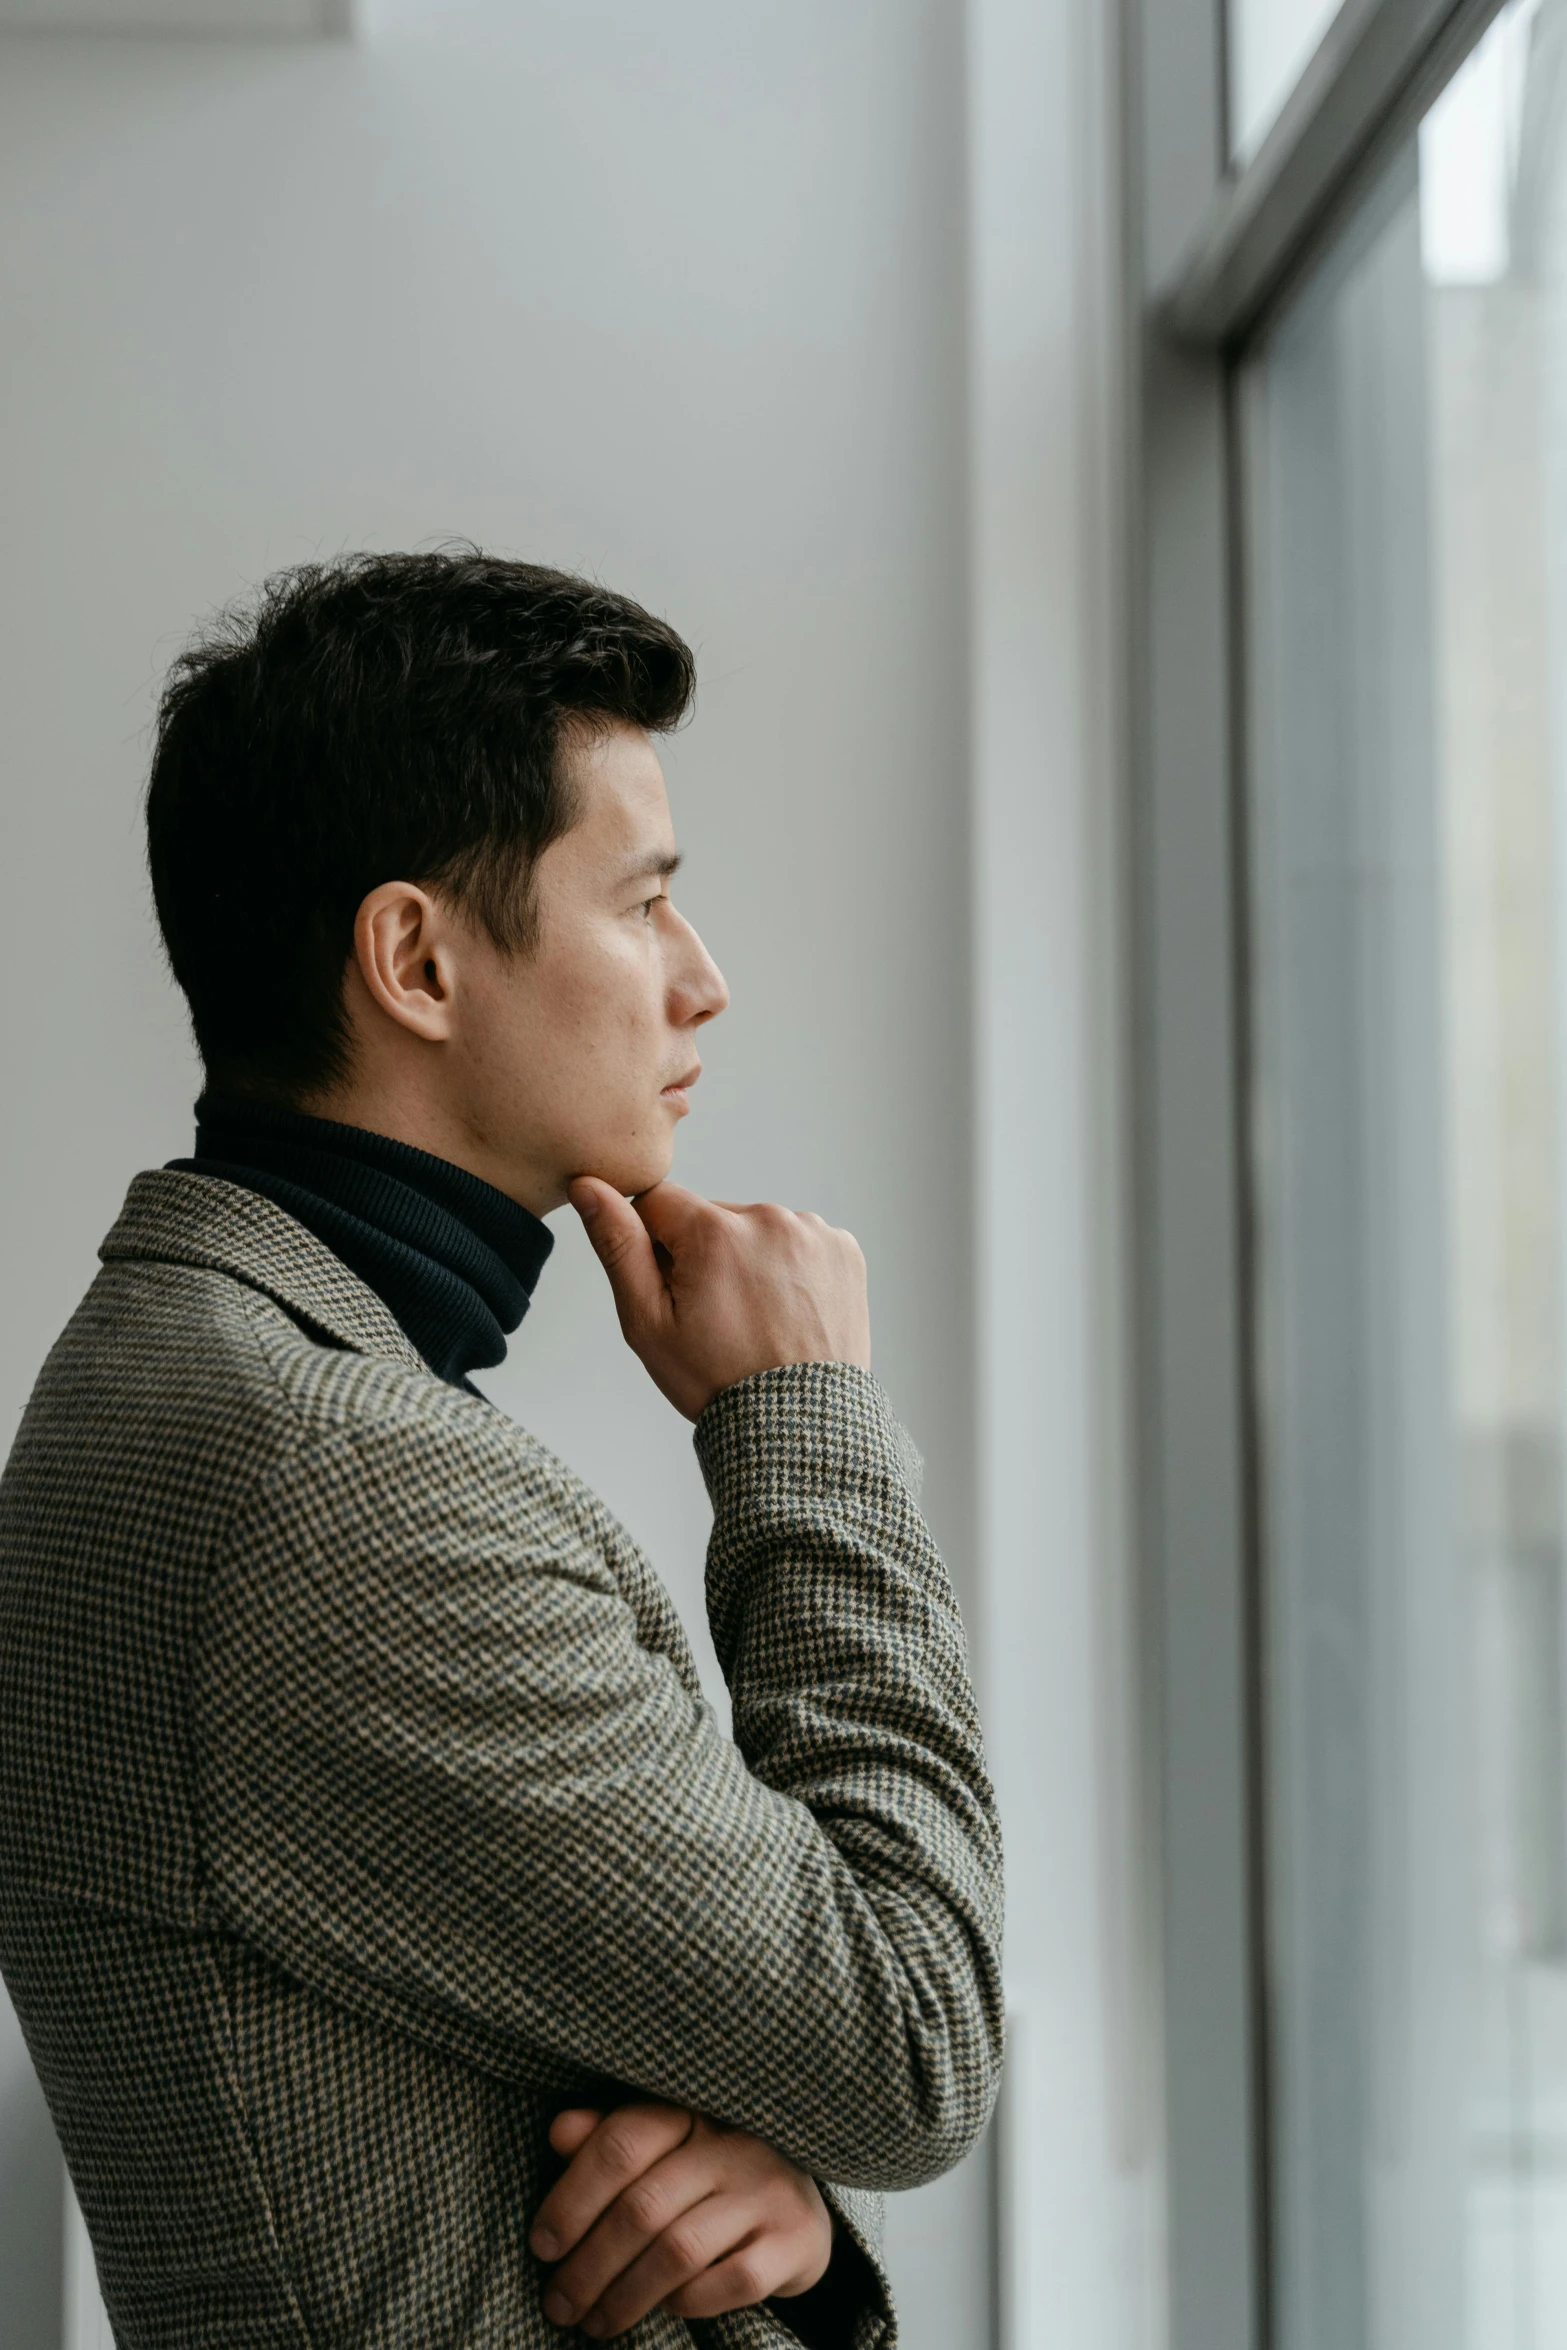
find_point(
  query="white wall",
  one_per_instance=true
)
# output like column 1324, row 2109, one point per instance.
column 671, row 294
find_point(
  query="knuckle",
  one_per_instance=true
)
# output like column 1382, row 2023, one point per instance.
column 685, row 2250
column 643, row 2205
column 620, row 2145
column 745, row 2272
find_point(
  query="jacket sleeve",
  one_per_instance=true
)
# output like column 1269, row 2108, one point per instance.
column 442, row 1778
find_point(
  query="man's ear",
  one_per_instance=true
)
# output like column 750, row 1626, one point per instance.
column 404, row 951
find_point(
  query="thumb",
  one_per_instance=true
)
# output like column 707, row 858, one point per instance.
column 673, row 1215
column 621, row 1244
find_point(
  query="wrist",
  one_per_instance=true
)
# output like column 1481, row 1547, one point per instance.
column 825, row 2316
column 818, row 2260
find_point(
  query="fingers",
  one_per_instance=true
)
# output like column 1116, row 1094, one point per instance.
column 736, row 2283
column 661, row 2197
column 721, row 2199
column 710, row 1294
column 613, row 2154
column 620, row 1242
column 573, row 2128
column 726, row 2252
column 669, row 1211
column 675, row 2260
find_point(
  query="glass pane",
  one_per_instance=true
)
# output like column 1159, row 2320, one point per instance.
column 1407, row 534
column 1270, row 44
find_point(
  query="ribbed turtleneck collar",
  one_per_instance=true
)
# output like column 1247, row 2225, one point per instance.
column 453, row 1259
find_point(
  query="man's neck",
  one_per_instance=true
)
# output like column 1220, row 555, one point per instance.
column 417, row 1117
column 452, row 1258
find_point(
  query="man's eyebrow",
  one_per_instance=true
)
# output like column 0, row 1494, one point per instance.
column 656, row 863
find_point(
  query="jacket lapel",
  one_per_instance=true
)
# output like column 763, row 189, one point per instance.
column 175, row 1218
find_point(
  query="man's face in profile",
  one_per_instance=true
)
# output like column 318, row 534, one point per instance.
column 577, row 1052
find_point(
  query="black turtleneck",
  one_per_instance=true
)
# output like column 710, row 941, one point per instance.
column 452, row 1259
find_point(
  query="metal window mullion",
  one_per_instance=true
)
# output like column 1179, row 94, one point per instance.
column 1379, row 66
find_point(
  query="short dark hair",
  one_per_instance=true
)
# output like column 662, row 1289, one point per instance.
column 377, row 718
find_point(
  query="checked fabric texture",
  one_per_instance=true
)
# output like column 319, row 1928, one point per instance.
column 359, row 1805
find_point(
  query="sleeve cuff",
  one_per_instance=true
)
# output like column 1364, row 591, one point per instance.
column 807, row 1427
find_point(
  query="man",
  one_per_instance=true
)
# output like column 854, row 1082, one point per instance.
column 406, row 1955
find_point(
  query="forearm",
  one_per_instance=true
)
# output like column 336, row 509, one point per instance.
column 836, row 1625
column 443, row 1778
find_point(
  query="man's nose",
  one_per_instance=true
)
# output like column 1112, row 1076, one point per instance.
column 702, row 990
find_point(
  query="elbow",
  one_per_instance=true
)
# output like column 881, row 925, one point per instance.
column 949, row 2124
column 915, row 2054
column 944, row 2078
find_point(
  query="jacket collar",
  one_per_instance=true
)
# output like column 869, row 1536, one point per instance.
column 174, row 1218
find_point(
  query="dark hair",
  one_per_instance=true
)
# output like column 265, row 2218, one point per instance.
column 378, row 718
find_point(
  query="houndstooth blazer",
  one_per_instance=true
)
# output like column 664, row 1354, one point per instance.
column 359, row 1806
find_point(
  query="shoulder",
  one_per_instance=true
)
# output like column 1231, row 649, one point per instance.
column 185, row 1384
column 407, row 1528
column 411, row 1566
column 371, row 1435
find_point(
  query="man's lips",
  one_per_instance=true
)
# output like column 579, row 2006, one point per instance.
column 675, row 1092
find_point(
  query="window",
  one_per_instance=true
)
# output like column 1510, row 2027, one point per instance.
column 1354, row 702
column 1406, row 425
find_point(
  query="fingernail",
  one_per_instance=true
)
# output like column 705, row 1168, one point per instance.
column 557, row 2309
column 545, row 2243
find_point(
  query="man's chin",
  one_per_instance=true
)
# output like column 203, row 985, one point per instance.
column 633, row 1171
